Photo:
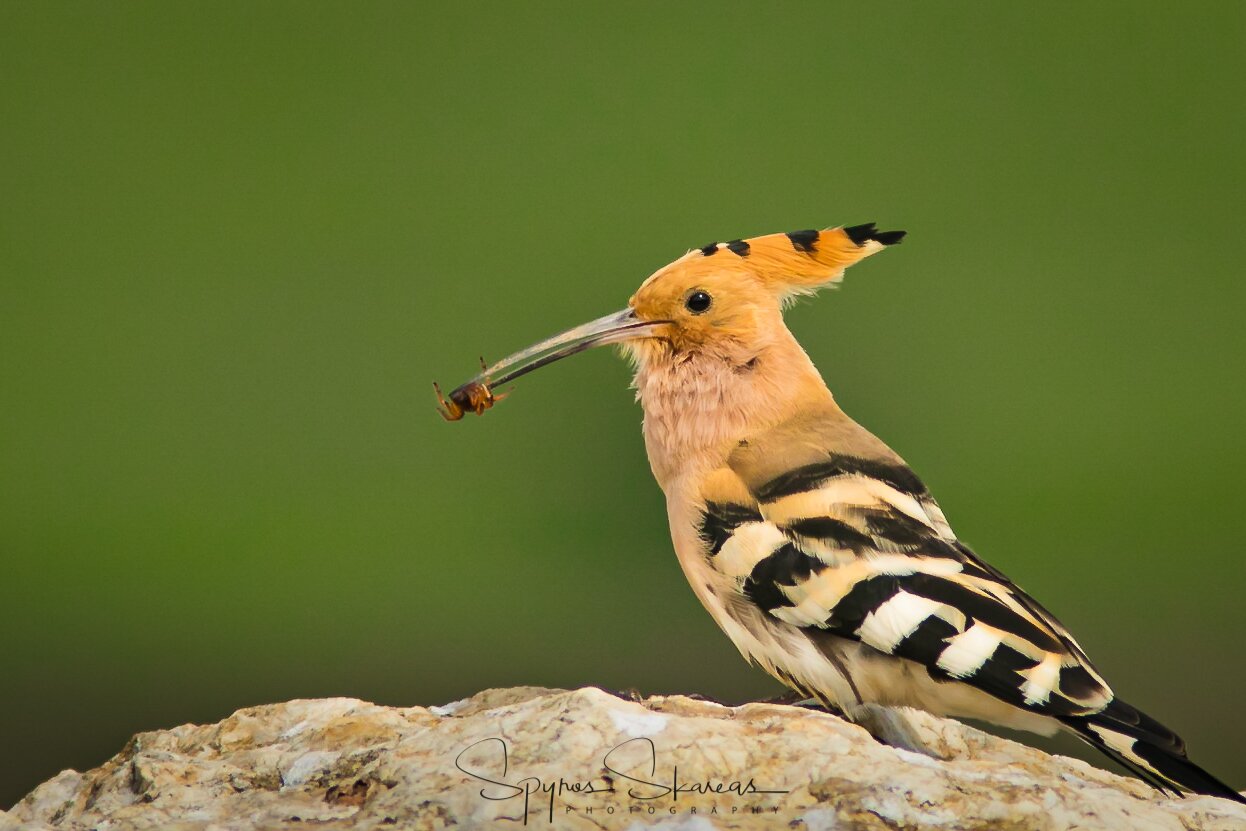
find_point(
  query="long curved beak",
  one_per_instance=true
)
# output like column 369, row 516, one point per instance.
column 478, row 395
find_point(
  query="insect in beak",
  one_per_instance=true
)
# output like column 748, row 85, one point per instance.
column 472, row 396
column 477, row 395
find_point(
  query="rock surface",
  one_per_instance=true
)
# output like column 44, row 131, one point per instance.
column 586, row 759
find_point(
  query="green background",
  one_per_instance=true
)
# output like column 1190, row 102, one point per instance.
column 238, row 241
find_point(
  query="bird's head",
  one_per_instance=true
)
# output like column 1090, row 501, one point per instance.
column 725, row 299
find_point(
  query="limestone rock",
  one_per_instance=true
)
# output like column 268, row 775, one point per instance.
column 586, row 759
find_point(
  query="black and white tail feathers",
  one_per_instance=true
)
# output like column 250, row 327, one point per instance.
column 1147, row 749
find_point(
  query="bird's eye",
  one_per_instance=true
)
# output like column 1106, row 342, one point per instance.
column 698, row 302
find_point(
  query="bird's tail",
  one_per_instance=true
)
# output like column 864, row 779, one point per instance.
column 1147, row 749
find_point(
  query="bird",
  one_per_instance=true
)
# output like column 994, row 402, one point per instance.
column 815, row 547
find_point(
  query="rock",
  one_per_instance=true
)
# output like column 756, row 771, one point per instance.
column 585, row 759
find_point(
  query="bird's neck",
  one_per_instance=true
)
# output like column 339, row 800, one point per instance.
column 700, row 404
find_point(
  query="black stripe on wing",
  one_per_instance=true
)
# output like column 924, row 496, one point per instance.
column 927, row 642
column 785, row 567
column 834, row 532
column 892, row 529
column 810, row 477
column 999, row 676
column 720, row 520
column 1077, row 682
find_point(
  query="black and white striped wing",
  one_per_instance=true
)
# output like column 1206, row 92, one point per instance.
column 858, row 548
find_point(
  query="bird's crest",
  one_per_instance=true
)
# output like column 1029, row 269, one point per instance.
column 798, row 262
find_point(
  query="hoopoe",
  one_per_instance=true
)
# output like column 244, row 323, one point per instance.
column 815, row 548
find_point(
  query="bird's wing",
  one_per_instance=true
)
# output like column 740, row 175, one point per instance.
column 853, row 544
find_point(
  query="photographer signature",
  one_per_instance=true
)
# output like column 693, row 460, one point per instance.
column 642, row 786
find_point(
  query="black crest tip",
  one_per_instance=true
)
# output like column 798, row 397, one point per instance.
column 861, row 234
column 710, row 249
column 890, row 237
column 738, row 247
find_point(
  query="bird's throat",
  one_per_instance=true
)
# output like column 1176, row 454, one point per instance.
column 699, row 405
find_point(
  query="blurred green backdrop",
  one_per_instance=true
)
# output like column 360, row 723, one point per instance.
column 239, row 240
